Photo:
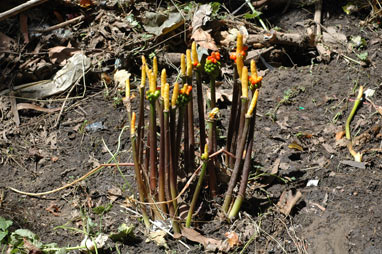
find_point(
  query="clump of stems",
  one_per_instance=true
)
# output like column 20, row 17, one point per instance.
column 157, row 172
column 234, row 119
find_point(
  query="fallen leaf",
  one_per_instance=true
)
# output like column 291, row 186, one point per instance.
column 329, row 148
column 324, row 51
column 106, row 78
column 86, row 3
column 229, row 37
column 295, row 146
column 276, row 165
column 160, row 24
column 204, row 39
column 91, row 244
column 114, row 193
column 356, row 164
column 201, row 16
column 332, row 36
column 342, row 142
column 60, row 54
column 158, row 237
column 32, row 249
column 233, row 238
column 288, row 200
column 6, row 42
column 129, row 202
column 340, row 135
column 209, row 244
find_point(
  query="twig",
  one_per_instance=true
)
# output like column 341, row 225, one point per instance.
column 16, row 117
column 20, row 8
column 72, row 183
column 60, row 25
column 279, row 38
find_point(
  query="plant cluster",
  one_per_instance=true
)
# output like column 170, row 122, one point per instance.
column 157, row 170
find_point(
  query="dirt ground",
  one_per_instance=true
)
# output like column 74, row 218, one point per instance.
column 339, row 214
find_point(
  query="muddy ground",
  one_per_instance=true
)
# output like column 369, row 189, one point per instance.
column 341, row 214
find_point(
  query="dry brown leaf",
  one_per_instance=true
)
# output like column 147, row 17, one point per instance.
column 329, row 148
column 32, row 249
column 160, row 24
column 59, row 54
column 276, row 165
column 288, row 200
column 201, row 16
column 204, row 39
column 114, row 193
column 6, row 42
column 86, row 3
column 233, row 238
column 209, row 244
column 158, row 237
column 332, row 36
column 340, row 135
column 229, row 36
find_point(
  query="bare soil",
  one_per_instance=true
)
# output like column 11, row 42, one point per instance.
column 339, row 215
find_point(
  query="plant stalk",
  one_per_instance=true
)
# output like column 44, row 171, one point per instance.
column 198, row 187
column 137, row 167
column 162, row 159
column 232, row 118
column 153, row 149
column 354, row 109
column 251, row 116
column 212, row 142
column 238, row 163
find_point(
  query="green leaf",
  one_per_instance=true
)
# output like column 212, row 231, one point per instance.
column 4, row 224
column 215, row 7
column 125, row 233
column 252, row 15
column 350, row 8
column 18, row 236
column 3, row 234
column 102, row 209
column 363, row 56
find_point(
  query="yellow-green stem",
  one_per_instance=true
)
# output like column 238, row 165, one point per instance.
column 355, row 107
column 196, row 193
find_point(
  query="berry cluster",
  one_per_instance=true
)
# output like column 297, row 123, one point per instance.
column 233, row 56
column 255, row 81
column 153, row 96
column 212, row 65
column 184, row 95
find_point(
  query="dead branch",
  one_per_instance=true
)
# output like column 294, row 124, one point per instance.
column 278, row 38
column 60, row 25
column 20, row 8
